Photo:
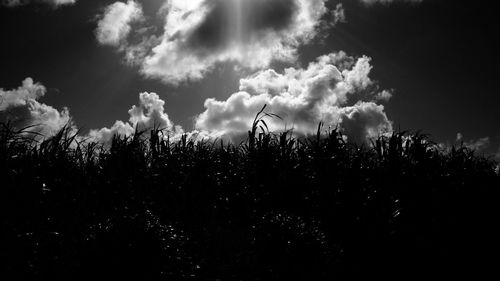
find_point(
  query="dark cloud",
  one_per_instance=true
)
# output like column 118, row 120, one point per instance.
column 264, row 15
column 218, row 29
column 214, row 31
column 18, row 117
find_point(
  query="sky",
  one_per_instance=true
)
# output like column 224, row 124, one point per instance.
column 207, row 67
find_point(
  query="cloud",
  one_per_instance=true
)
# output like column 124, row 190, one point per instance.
column 200, row 34
column 339, row 14
column 327, row 90
column 371, row 2
column 364, row 121
column 21, row 108
column 384, row 96
column 478, row 145
column 149, row 114
column 55, row 3
column 105, row 135
column 114, row 25
column 335, row 89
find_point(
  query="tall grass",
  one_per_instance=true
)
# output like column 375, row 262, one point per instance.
column 272, row 208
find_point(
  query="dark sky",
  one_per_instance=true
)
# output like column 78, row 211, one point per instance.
column 439, row 56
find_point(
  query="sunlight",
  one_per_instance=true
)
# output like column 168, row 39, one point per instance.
column 234, row 10
column 238, row 12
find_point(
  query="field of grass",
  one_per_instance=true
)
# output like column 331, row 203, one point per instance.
column 272, row 208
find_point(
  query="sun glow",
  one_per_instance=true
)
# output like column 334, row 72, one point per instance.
column 235, row 30
column 238, row 20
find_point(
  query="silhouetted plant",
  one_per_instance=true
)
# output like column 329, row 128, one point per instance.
column 272, row 208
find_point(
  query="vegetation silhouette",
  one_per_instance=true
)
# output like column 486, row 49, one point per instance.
column 272, row 208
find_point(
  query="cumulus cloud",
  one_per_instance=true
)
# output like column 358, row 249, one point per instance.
column 200, row 34
column 327, row 90
column 148, row 114
column 105, row 135
column 56, row 3
column 384, row 96
column 114, row 25
column 21, row 108
column 371, row 2
column 335, row 89
column 364, row 121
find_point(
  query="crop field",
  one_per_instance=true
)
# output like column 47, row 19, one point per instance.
column 271, row 208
